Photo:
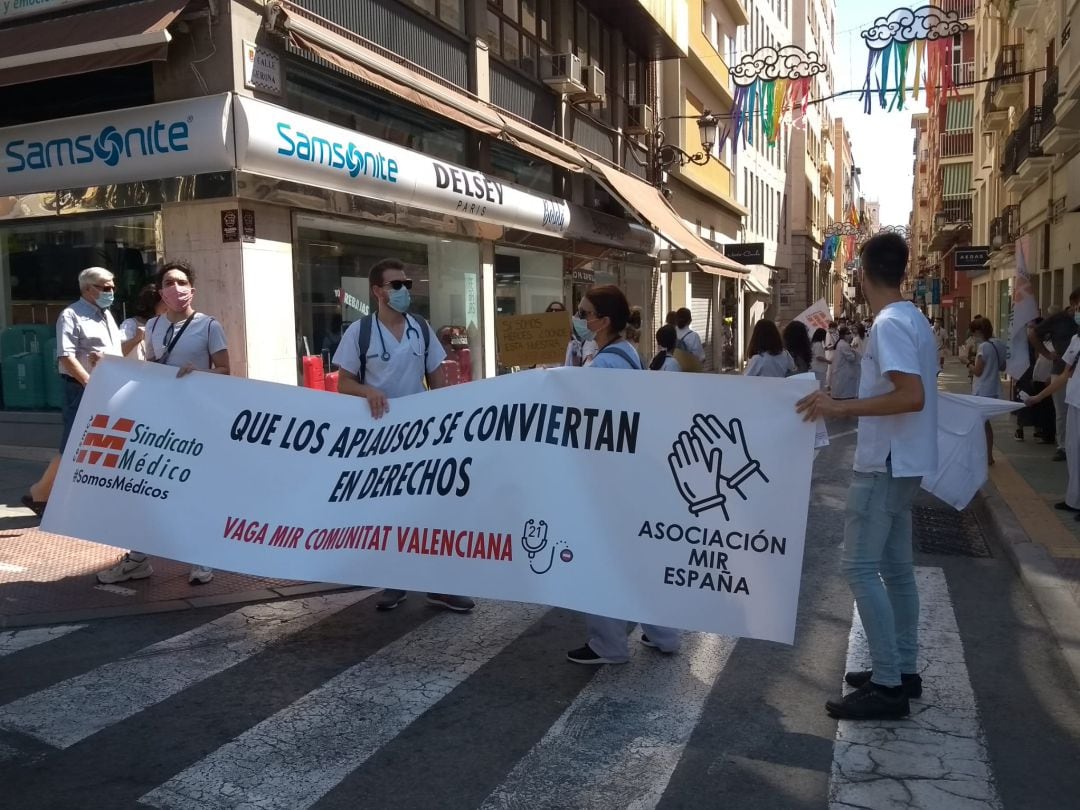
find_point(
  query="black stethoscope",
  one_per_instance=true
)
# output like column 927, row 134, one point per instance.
column 410, row 330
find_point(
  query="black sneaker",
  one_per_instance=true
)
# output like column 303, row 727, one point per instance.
column 1064, row 507
column 585, row 655
column 1019, row 434
column 1059, row 455
column 911, row 683
column 458, row 604
column 871, row 702
column 390, row 599
column 649, row 643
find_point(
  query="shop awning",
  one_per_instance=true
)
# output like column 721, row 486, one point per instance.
column 85, row 41
column 755, row 286
column 647, row 203
column 956, row 181
column 959, row 114
column 356, row 56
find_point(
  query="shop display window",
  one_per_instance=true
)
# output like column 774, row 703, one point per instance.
column 40, row 264
column 333, row 258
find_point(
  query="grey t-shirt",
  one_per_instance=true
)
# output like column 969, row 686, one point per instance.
column 202, row 338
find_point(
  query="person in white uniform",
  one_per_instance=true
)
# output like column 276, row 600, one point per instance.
column 665, row 359
column 688, row 340
column 845, row 367
column 604, row 313
column 1070, row 381
column 189, row 341
column 387, row 355
column 989, row 363
column 768, row 358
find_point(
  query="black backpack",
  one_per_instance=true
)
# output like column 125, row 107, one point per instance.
column 363, row 341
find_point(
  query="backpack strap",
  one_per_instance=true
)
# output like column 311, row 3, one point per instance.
column 623, row 354
column 363, row 343
column 363, row 340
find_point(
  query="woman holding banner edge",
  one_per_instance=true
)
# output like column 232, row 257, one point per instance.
column 603, row 315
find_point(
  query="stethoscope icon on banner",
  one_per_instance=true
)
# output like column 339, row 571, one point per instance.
column 534, row 538
column 410, row 332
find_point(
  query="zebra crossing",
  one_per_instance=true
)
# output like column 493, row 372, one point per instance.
column 614, row 738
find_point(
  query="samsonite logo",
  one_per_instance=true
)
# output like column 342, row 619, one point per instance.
column 109, row 146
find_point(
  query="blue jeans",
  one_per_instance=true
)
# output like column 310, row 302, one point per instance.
column 72, row 393
column 880, row 570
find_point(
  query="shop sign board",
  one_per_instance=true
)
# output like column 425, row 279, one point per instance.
column 971, row 258
column 13, row 9
column 278, row 142
column 787, row 289
column 247, row 225
column 262, row 68
column 746, row 252
column 230, row 225
column 174, row 139
column 477, row 489
column 532, row 340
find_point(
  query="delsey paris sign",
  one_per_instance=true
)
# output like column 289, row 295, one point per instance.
column 144, row 143
column 274, row 141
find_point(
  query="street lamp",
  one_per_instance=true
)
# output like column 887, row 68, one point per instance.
column 668, row 155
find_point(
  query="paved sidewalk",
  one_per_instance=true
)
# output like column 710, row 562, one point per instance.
column 46, row 578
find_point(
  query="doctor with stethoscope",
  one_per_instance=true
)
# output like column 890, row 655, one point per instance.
column 396, row 359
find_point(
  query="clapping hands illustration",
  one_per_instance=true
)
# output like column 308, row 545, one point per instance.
column 711, row 460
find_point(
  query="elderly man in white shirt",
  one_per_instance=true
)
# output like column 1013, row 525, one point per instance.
column 85, row 332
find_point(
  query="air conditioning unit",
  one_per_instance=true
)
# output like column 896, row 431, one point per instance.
column 595, row 86
column 562, row 73
column 639, row 119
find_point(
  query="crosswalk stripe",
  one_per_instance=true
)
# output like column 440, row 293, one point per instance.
column 15, row 640
column 291, row 759
column 935, row 759
column 74, row 709
column 618, row 743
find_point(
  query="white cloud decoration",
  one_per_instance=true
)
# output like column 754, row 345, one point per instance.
column 770, row 64
column 904, row 25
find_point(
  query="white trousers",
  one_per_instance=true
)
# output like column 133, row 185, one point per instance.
column 1072, row 457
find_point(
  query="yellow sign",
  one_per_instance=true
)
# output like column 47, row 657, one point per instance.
column 533, row 340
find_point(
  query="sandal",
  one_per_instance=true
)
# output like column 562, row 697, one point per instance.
column 37, row 507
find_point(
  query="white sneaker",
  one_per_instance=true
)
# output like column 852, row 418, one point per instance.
column 200, row 575
column 127, row 568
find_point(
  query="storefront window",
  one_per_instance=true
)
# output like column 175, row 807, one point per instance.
column 526, row 281
column 332, row 264
column 40, row 264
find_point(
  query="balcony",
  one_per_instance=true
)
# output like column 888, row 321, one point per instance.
column 994, row 119
column 1024, row 13
column 1068, row 64
column 1057, row 138
column 1024, row 163
column 953, row 217
column 1005, row 229
column 957, row 144
column 965, row 8
column 1007, row 86
column 963, row 74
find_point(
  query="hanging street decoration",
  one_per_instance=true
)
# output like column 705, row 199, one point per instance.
column 768, row 83
column 929, row 29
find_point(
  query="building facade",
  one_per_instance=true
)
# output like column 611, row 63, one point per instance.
column 502, row 149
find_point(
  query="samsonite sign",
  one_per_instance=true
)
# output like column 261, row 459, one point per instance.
column 12, row 9
column 121, row 146
column 277, row 142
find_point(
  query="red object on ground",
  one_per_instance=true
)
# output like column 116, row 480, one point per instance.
column 331, row 381
column 313, row 373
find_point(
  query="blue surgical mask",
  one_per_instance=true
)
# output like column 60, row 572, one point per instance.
column 400, row 300
column 581, row 329
column 104, row 300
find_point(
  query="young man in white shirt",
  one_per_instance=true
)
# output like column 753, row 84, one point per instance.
column 401, row 353
column 939, row 341
column 896, row 447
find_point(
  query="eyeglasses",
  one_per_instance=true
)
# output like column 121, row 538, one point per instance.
column 398, row 283
column 585, row 315
column 109, row 287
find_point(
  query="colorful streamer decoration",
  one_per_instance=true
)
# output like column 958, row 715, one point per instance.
column 890, row 40
column 769, row 83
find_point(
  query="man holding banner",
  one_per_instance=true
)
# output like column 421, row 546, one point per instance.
column 896, row 447
column 387, row 355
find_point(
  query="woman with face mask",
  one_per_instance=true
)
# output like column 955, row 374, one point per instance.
column 582, row 348
column 189, row 341
column 603, row 315
column 133, row 329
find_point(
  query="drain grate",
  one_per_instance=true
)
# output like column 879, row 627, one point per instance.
column 946, row 531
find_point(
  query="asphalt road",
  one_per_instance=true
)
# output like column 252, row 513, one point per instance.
column 324, row 703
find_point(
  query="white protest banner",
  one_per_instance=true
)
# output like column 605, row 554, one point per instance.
column 673, row 499
column 1024, row 311
column 816, row 316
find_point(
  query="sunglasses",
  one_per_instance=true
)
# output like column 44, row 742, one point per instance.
column 398, row 283
column 585, row 315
